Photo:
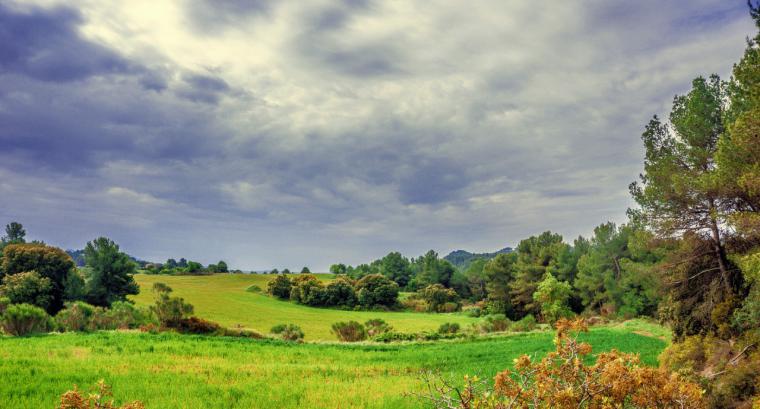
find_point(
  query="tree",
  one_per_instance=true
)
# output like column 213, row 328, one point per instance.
column 536, row 256
column 340, row 293
column 305, row 270
column 678, row 191
column 171, row 263
column 499, row 273
column 377, row 290
column 430, row 269
column 396, row 267
column 275, row 271
column 109, row 274
column 280, row 287
column 193, row 267
column 476, row 279
column 28, row 288
column 169, row 310
column 14, row 233
column 50, row 262
column 338, row 269
column 552, row 296
column 221, row 267
column 440, row 298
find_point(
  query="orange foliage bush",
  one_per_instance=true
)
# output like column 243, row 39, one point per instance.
column 563, row 380
column 99, row 398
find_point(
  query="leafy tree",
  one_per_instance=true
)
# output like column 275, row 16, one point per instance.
column 28, row 288
column 308, row 290
column 552, row 296
column 14, row 233
column 397, row 268
column 171, row 263
column 429, row 269
column 221, row 267
column 305, row 270
column 49, row 262
column 193, row 267
column 338, row 269
column 477, row 279
column 340, row 292
column 377, row 290
column 109, row 273
column 182, row 263
column 274, row 271
column 280, row 287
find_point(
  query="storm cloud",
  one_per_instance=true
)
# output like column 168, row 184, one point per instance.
column 291, row 133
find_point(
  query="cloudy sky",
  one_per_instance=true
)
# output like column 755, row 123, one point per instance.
column 291, row 133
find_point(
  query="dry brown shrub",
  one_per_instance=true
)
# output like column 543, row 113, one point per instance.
column 99, row 397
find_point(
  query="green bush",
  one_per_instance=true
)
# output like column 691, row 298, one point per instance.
column 4, row 303
column 474, row 312
column 527, row 323
column 350, row 331
column 288, row 332
column 280, row 287
column 25, row 319
column 169, row 310
column 75, row 317
column 449, row 328
column 376, row 290
column 28, row 288
column 495, row 323
column 376, row 326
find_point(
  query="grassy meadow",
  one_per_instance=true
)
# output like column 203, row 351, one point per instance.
column 224, row 298
column 180, row 371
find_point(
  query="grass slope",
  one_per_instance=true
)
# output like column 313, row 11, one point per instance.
column 223, row 298
column 173, row 371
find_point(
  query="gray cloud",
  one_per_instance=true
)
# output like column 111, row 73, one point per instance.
column 339, row 131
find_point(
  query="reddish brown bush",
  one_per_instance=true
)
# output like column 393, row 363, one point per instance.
column 99, row 397
column 195, row 325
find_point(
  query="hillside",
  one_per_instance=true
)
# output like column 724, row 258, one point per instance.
column 462, row 258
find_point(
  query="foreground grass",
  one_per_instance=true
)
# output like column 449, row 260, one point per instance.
column 223, row 298
column 175, row 371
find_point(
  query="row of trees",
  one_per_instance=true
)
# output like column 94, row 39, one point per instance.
column 369, row 292
column 185, row 267
column 45, row 276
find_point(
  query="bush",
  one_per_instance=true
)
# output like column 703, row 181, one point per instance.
column 440, row 298
column 392, row 336
column 562, row 380
column 99, row 398
column 308, row 290
column 340, row 293
column 495, row 323
column 4, row 303
column 474, row 312
column 449, row 328
column 350, row 331
column 199, row 326
column 169, row 310
column 280, row 287
column 253, row 289
column 25, row 319
column 241, row 333
column 288, row 332
column 28, row 288
column 376, row 326
column 75, row 317
column 377, row 290
column 527, row 323
column 125, row 315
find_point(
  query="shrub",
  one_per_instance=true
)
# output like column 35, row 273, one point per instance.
column 440, row 298
column 169, row 310
column 527, row 323
column 253, row 289
column 563, row 380
column 195, row 325
column 340, row 293
column 376, row 326
column 288, row 332
column 241, row 333
column 392, row 336
column 495, row 323
column 4, row 303
column 280, row 287
column 28, row 288
column 75, row 317
column 473, row 312
column 415, row 304
column 449, row 328
column 25, row 319
column 125, row 315
column 350, row 331
column 377, row 290
column 308, row 290
column 99, row 398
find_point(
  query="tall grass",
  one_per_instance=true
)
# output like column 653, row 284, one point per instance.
column 180, row 371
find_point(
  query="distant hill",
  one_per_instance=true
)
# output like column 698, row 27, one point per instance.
column 462, row 258
column 78, row 256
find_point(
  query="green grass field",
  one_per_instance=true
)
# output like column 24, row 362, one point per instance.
column 223, row 298
column 180, row 371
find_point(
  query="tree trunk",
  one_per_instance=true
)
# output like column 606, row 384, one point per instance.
column 720, row 253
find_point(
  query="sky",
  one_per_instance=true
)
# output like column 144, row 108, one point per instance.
column 291, row 133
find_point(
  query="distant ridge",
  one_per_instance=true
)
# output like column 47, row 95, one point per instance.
column 462, row 258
